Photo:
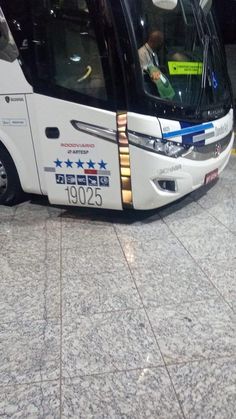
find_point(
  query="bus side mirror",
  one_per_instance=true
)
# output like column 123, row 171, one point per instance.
column 165, row 4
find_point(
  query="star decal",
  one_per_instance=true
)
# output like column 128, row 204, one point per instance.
column 80, row 164
column 91, row 164
column 58, row 163
column 103, row 165
column 69, row 164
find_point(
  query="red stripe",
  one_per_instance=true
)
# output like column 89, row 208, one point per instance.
column 91, row 172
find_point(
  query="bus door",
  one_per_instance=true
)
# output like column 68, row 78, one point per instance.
column 75, row 125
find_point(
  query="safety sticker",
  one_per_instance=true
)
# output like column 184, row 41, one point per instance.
column 182, row 68
column 82, row 180
column 60, row 179
column 70, row 179
column 13, row 122
column 104, row 181
column 91, row 173
column 90, row 167
column 92, row 181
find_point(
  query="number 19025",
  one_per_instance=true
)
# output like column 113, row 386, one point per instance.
column 84, row 196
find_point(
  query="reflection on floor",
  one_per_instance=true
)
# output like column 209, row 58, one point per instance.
column 120, row 315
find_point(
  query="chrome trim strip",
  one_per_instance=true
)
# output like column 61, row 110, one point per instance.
column 208, row 151
column 104, row 172
column 96, row 131
column 50, row 169
column 203, row 137
column 136, row 138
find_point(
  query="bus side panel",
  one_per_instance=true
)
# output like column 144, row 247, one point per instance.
column 38, row 145
column 15, row 135
column 12, row 80
column 76, row 168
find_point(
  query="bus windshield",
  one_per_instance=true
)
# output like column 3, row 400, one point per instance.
column 180, row 54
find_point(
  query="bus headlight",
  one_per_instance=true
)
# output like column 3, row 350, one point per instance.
column 166, row 148
column 169, row 149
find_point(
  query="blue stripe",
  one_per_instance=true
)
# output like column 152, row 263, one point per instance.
column 185, row 131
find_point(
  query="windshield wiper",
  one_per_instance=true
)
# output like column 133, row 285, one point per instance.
column 204, row 70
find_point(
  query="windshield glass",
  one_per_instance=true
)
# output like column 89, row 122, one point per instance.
column 179, row 53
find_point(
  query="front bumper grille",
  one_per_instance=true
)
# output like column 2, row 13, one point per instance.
column 209, row 151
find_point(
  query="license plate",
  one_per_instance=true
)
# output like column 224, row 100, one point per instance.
column 210, row 177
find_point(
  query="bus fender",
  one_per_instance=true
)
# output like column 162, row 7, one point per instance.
column 19, row 156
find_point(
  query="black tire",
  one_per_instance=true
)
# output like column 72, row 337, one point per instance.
column 10, row 187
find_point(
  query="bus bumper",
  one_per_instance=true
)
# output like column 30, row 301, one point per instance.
column 150, row 170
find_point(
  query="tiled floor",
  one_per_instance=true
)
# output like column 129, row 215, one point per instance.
column 120, row 315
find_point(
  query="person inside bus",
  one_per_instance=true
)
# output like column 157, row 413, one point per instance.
column 148, row 55
column 155, row 82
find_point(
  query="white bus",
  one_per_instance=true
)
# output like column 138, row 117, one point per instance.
column 111, row 103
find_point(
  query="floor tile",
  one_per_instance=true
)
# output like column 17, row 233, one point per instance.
column 226, row 214
column 194, row 330
column 220, row 202
column 196, row 226
column 151, row 254
column 136, row 219
column 223, row 276
column 89, row 260
column 98, row 293
column 30, row 300
column 6, row 213
column 36, row 209
column 206, row 389
column 138, row 394
column 187, row 217
column 142, row 231
column 221, row 192
column 185, row 205
column 85, row 234
column 31, row 265
column 178, row 282
column 29, row 352
column 229, row 173
column 108, row 342
column 38, row 235
column 212, row 245
column 34, row 401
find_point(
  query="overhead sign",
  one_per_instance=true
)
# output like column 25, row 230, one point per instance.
column 183, row 68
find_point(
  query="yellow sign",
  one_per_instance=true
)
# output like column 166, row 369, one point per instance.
column 185, row 68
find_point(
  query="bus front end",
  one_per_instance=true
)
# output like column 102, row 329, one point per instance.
column 180, row 128
column 157, row 178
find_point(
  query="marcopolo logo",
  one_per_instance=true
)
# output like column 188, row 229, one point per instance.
column 9, row 99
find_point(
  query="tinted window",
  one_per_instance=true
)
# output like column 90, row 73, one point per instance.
column 180, row 54
column 66, row 49
column 8, row 49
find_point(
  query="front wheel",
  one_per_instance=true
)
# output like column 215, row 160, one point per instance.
column 10, row 188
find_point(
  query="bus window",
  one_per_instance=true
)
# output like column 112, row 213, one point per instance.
column 66, row 49
column 8, row 48
column 175, row 54
column 179, row 48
